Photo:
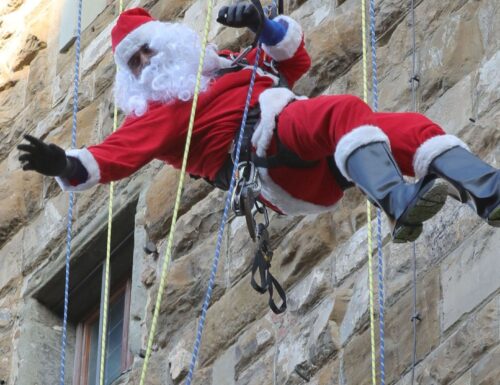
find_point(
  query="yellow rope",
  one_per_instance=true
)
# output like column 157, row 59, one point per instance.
column 368, row 208
column 108, row 260
column 163, row 279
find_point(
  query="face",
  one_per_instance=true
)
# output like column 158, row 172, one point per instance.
column 140, row 59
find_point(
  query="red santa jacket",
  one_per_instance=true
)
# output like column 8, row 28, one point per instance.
column 161, row 132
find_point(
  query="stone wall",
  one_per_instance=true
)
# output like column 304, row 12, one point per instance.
column 321, row 260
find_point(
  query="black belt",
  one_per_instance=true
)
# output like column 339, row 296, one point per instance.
column 284, row 157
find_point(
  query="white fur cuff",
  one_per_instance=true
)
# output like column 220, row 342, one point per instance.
column 287, row 47
column 355, row 139
column 90, row 164
column 272, row 101
column 432, row 148
column 285, row 202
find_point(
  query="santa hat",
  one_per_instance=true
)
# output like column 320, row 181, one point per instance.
column 134, row 28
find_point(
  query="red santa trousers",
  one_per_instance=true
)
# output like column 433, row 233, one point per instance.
column 318, row 128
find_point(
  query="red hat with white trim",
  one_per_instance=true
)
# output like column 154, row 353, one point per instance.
column 133, row 29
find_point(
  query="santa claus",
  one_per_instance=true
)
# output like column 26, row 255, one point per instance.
column 308, row 150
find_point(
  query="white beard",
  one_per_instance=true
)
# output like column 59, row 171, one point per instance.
column 171, row 74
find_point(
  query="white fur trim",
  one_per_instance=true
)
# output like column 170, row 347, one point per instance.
column 133, row 41
column 355, row 139
column 432, row 148
column 287, row 47
column 90, row 164
column 286, row 203
column 272, row 101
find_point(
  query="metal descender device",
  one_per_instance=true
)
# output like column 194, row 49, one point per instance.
column 245, row 203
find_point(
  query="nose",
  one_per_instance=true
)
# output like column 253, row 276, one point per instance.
column 145, row 60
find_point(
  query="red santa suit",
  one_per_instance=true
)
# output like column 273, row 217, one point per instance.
column 315, row 129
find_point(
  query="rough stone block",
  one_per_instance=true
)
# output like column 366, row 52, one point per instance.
column 329, row 374
column 48, row 227
column 261, row 372
column 18, row 194
column 10, row 6
column 32, row 45
column 179, row 359
column 249, row 307
column 452, row 49
column 466, row 379
column 470, row 274
column 186, row 289
column 12, row 102
column 309, row 341
column 399, row 328
column 39, row 342
column 357, row 309
column 354, row 253
column 196, row 14
column 311, row 289
column 97, row 49
column 356, row 360
column 442, row 234
column 254, row 342
column 487, row 370
column 160, row 200
column 223, row 369
column 6, row 348
column 303, row 247
column 488, row 14
column 453, row 110
column 468, row 344
column 488, row 84
column 11, row 260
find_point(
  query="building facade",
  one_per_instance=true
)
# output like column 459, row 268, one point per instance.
column 321, row 260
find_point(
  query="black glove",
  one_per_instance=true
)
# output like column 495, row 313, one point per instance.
column 47, row 159
column 240, row 15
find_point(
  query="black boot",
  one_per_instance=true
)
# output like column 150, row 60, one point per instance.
column 477, row 182
column 375, row 172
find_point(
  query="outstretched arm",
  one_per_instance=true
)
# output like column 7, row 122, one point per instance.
column 134, row 144
column 51, row 160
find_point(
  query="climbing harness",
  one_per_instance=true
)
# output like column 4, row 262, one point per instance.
column 245, row 203
column 76, row 85
column 245, row 199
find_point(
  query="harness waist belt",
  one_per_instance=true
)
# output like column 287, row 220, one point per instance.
column 283, row 158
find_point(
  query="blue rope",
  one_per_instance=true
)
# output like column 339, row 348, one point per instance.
column 71, row 196
column 227, row 205
column 379, row 212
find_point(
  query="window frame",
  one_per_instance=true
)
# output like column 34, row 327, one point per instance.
column 83, row 333
column 68, row 27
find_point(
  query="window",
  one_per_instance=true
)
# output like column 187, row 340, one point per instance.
column 118, row 358
column 85, row 292
column 68, row 25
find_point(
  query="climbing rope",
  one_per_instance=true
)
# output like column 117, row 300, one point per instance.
column 76, row 85
column 379, row 212
column 107, row 264
column 369, row 209
column 208, row 295
column 168, row 252
column 414, row 82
